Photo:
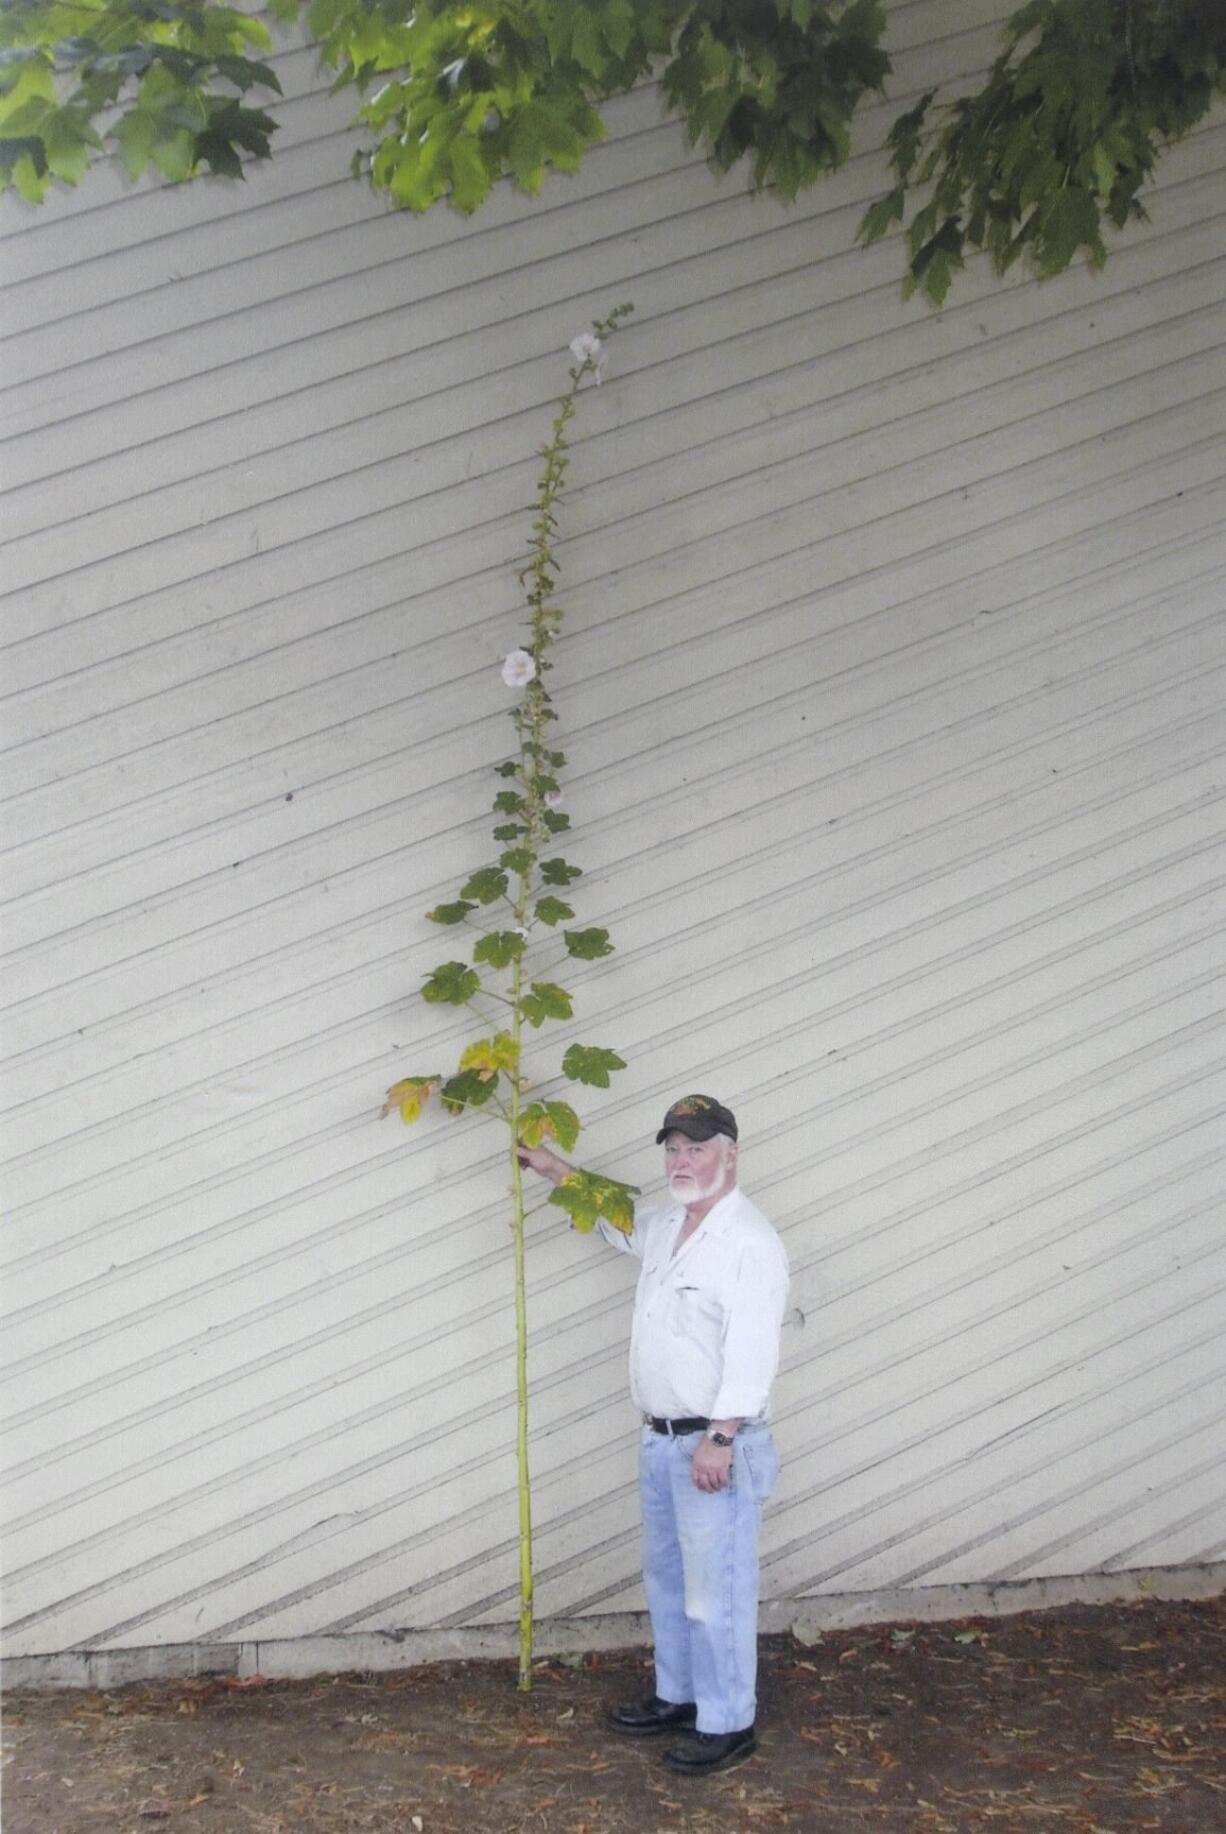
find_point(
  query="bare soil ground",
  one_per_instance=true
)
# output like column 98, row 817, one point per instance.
column 1104, row 1720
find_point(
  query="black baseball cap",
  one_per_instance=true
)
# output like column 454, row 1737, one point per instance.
column 699, row 1117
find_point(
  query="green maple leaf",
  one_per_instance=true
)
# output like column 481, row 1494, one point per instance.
column 467, row 1090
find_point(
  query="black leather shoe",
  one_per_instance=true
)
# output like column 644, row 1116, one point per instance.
column 640, row 1718
column 700, row 1752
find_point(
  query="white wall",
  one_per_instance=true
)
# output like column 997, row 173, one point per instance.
column 892, row 688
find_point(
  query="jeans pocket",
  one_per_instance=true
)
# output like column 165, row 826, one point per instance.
column 762, row 1464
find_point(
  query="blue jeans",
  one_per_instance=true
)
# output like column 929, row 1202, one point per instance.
column 700, row 1571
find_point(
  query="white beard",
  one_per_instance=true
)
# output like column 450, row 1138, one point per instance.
column 696, row 1190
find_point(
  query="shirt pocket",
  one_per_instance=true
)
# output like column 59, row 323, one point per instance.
column 693, row 1313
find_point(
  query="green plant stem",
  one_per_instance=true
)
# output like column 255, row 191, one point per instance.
column 533, row 832
column 523, row 1473
column 530, row 728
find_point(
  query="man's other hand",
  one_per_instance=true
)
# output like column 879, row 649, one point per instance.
column 711, row 1465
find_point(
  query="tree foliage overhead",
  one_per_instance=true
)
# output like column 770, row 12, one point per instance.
column 157, row 84
column 1059, row 140
column 1052, row 149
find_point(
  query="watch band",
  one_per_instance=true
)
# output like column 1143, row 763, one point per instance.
column 720, row 1439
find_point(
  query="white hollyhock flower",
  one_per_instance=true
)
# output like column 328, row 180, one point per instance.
column 518, row 669
column 553, row 799
column 586, row 345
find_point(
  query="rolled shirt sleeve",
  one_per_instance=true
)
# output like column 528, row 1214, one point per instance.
column 626, row 1244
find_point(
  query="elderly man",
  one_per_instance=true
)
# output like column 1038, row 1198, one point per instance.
column 704, row 1347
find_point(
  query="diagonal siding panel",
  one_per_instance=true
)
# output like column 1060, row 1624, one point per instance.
column 893, row 693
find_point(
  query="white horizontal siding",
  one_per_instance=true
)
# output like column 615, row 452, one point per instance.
column 892, row 688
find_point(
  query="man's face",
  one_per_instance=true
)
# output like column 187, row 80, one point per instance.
column 699, row 1169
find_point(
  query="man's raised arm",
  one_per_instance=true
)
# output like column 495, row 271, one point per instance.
column 544, row 1162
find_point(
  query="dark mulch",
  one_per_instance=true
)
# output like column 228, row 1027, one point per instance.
column 1086, row 1720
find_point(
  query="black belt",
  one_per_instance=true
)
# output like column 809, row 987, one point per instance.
column 675, row 1428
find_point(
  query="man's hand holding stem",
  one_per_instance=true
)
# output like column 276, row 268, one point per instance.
column 545, row 1162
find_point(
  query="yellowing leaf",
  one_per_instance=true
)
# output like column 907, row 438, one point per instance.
column 409, row 1096
column 541, row 1121
column 586, row 1196
column 490, row 1055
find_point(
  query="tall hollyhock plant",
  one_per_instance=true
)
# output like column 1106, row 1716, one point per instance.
column 517, row 919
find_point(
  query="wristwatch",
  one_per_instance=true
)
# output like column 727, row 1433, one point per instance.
column 720, row 1439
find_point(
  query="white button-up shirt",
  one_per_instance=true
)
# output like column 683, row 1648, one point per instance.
column 705, row 1337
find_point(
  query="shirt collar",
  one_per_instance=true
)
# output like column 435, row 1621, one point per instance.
column 718, row 1217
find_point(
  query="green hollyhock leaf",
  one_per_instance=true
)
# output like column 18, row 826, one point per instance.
column 559, row 872
column 555, row 820
column 553, row 910
column 589, row 1063
column 546, row 1001
column 500, row 948
column 508, row 803
column 486, row 885
column 508, row 831
column 467, row 1090
column 451, row 913
column 506, row 770
column 587, row 945
column 516, row 859
column 451, row 984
